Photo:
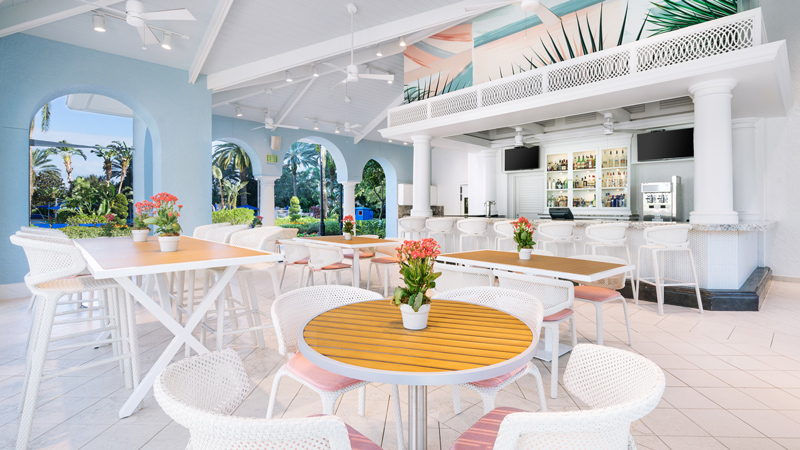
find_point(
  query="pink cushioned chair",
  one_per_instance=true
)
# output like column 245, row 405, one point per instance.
column 603, row 291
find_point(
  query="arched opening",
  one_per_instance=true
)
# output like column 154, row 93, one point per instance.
column 389, row 185
column 81, row 163
column 370, row 196
column 234, row 168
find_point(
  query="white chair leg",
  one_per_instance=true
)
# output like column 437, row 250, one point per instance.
column 574, row 331
column 369, row 274
column 251, row 285
column 273, row 274
column 696, row 283
column 386, row 280
column 488, row 402
column 273, row 394
column 398, row 418
column 328, row 404
column 283, row 274
column 638, row 277
column 554, row 363
column 534, row 371
column 657, row 279
column 598, row 307
column 362, row 400
column 220, row 320
column 456, row 399
column 627, row 321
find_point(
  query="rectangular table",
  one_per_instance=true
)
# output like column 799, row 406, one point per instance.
column 121, row 258
column 548, row 266
column 355, row 244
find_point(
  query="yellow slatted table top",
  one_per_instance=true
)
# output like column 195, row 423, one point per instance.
column 367, row 341
column 356, row 241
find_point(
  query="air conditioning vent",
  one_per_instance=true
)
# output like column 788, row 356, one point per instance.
column 635, row 109
column 547, row 123
column 588, row 117
column 675, row 102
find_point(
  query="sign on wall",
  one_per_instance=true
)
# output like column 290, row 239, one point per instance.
column 272, row 158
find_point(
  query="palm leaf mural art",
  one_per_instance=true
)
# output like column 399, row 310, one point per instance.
column 671, row 15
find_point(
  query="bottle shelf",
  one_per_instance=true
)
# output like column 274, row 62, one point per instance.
column 584, row 189
column 553, row 190
column 557, row 171
column 622, row 188
column 615, row 167
column 584, row 170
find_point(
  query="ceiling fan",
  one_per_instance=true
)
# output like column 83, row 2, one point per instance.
column 269, row 122
column 348, row 127
column 547, row 17
column 136, row 15
column 351, row 71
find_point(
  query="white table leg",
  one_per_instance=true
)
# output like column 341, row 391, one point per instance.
column 356, row 268
column 182, row 334
column 417, row 417
column 544, row 347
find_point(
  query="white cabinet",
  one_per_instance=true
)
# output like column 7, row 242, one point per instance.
column 590, row 181
column 405, row 195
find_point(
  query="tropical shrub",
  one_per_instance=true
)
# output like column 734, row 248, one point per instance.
column 78, row 219
column 92, row 232
column 294, row 209
column 236, row 216
column 374, row 226
column 64, row 213
column 312, row 228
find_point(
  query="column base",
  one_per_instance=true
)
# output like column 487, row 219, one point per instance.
column 422, row 212
column 749, row 217
column 715, row 217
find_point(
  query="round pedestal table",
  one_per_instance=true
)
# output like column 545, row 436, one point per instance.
column 463, row 343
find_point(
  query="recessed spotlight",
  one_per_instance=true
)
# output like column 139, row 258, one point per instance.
column 99, row 22
column 336, row 130
column 316, row 125
column 390, row 141
column 166, row 44
column 238, row 111
column 380, row 51
column 315, row 72
column 405, row 143
column 403, row 41
column 288, row 77
column 391, row 80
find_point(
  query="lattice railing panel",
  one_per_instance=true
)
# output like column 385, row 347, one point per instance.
column 465, row 100
column 589, row 71
column 513, row 89
column 413, row 112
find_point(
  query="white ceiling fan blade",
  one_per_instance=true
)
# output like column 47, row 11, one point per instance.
column 547, row 17
column 147, row 35
column 484, row 4
column 357, row 125
column 375, row 76
column 291, row 127
column 169, row 14
column 262, row 126
column 335, row 67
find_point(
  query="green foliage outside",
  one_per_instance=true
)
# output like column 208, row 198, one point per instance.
column 374, row 226
column 236, row 216
column 676, row 14
column 371, row 191
column 92, row 232
column 49, row 187
column 91, row 197
column 310, row 226
column 294, row 209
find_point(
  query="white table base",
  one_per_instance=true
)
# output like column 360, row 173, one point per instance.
column 417, row 417
column 544, row 348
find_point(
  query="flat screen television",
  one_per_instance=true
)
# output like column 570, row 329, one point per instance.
column 666, row 144
column 521, row 158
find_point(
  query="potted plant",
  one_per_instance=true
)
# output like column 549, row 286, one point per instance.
column 523, row 236
column 165, row 218
column 416, row 267
column 348, row 227
column 140, row 228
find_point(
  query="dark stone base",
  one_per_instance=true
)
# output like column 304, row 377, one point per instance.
column 747, row 298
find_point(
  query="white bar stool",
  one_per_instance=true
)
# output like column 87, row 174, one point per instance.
column 412, row 225
column 442, row 226
column 666, row 240
column 608, row 236
column 472, row 228
column 556, row 233
column 505, row 233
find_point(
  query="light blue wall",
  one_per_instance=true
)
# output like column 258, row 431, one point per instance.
column 350, row 158
column 177, row 115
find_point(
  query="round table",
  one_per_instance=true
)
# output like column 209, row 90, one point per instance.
column 463, row 343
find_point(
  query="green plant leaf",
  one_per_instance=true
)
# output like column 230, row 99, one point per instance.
column 624, row 21
column 580, row 34
column 600, row 33
column 646, row 17
column 555, row 47
column 569, row 47
column 591, row 35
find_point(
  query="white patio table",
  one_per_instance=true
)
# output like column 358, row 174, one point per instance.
column 355, row 244
column 121, row 258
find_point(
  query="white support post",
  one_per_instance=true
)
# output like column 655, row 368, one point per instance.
column 349, row 201
column 266, row 199
column 489, row 163
column 713, row 153
column 745, row 189
column 422, row 176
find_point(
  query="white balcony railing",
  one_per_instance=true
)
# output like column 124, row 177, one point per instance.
column 739, row 31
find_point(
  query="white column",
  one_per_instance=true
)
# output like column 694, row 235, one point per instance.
column 422, row 176
column 142, row 165
column 266, row 199
column 745, row 187
column 488, row 161
column 713, row 153
column 349, row 200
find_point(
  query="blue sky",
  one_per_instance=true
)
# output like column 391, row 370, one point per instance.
column 79, row 127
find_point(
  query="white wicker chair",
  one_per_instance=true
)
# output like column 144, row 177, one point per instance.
column 201, row 392
column 202, row 231
column 505, row 234
column 619, row 387
column 295, row 254
column 520, row 305
column 386, row 262
column 53, row 270
column 556, row 233
column 289, row 313
column 223, row 234
column 557, row 297
column 412, row 225
column 456, row 277
column 662, row 241
column 444, row 227
column 542, row 252
column 328, row 260
column 603, row 291
column 476, row 228
column 45, row 231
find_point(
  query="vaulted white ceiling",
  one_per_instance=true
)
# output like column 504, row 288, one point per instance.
column 245, row 47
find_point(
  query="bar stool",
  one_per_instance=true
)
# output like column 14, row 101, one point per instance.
column 608, row 236
column 557, row 233
column 443, row 226
column 385, row 262
column 412, row 225
column 472, row 228
column 661, row 241
column 505, row 233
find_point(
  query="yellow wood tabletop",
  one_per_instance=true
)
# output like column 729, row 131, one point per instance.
column 550, row 263
column 459, row 336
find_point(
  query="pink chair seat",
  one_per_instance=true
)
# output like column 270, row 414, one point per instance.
column 357, row 440
column 360, row 255
column 302, row 261
column 316, row 376
column 561, row 315
column 385, row 260
column 596, row 294
column 497, row 381
column 336, row 266
column 482, row 435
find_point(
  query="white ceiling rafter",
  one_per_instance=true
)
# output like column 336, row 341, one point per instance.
column 321, row 51
column 208, row 38
column 296, row 98
column 36, row 13
column 378, row 119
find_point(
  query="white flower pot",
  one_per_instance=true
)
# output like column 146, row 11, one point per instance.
column 525, row 253
column 348, row 237
column 415, row 320
column 140, row 235
column 169, row 243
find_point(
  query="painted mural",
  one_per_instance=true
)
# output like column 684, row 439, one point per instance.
column 508, row 40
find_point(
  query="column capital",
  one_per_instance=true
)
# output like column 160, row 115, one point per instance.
column 349, row 183
column 267, row 178
column 421, row 138
column 745, row 122
column 712, row 87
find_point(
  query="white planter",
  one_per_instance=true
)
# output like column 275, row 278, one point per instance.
column 415, row 320
column 348, row 237
column 169, row 243
column 140, row 235
column 525, row 253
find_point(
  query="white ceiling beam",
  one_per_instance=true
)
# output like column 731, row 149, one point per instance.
column 534, row 128
column 378, row 119
column 333, row 47
column 619, row 114
column 36, row 13
column 223, row 6
column 293, row 102
column 471, row 140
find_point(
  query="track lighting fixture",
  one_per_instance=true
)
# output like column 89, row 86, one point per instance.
column 288, row 77
column 337, row 130
column 238, row 111
column 391, row 80
column 314, row 71
column 380, row 51
column 166, row 44
column 403, row 41
column 99, row 22
column 316, row 125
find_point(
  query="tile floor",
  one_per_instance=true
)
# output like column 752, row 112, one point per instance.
column 733, row 381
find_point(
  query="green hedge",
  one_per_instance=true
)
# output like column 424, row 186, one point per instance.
column 374, row 226
column 311, row 227
column 92, row 232
column 236, row 216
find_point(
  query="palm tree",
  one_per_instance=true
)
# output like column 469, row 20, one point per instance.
column 66, row 153
column 107, row 154
column 228, row 154
column 41, row 163
column 45, row 126
column 123, row 155
column 323, row 194
column 300, row 154
column 216, row 172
